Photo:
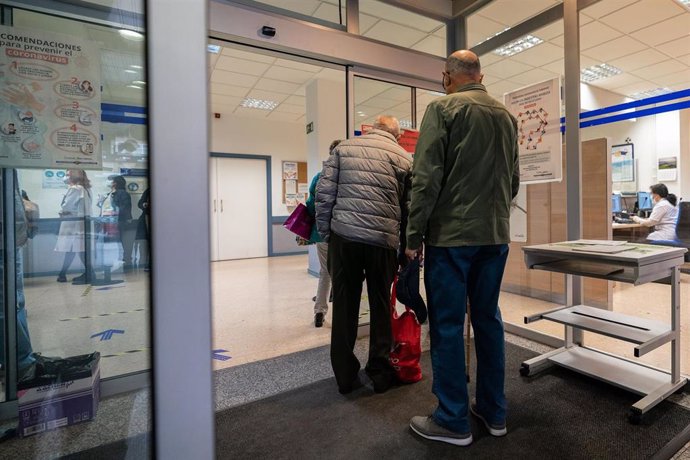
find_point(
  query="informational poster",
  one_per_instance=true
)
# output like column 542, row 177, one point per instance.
column 518, row 217
column 538, row 111
column 667, row 169
column 50, row 91
column 290, row 170
column 623, row 163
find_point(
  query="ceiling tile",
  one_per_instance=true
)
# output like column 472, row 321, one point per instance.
column 396, row 34
column 441, row 32
column 366, row 22
column 506, row 68
column 602, row 8
column 675, row 79
column 212, row 58
column 638, row 60
column 596, row 33
column 329, row 12
column 296, row 100
column 432, row 45
column 289, row 75
column 479, row 28
column 665, row 31
column 636, row 88
column 397, row 93
column 489, row 58
column 275, row 85
column 250, row 56
column 540, row 55
column 398, row 15
column 657, row 70
column 298, row 65
column 290, row 108
column 221, row 108
column 231, row 78
column 225, row 100
column 366, row 88
column 641, row 14
column 512, row 12
column 558, row 41
column 381, row 103
column 675, row 48
column 612, row 83
column 253, row 113
column 533, row 76
column 502, row 87
column 283, row 116
column 241, row 65
column 228, row 90
column 614, row 49
column 684, row 59
column 553, row 30
column 266, row 95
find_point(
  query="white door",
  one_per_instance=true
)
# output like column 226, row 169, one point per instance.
column 241, row 208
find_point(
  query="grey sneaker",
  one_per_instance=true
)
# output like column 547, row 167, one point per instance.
column 427, row 428
column 494, row 429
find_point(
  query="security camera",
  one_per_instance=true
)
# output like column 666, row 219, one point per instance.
column 268, row 31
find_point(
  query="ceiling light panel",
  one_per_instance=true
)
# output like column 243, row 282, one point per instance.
column 518, row 46
column 259, row 104
column 651, row 92
column 597, row 72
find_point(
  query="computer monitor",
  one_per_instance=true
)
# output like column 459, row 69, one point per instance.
column 616, row 206
column 644, row 201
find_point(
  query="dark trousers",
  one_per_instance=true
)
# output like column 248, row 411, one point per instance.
column 350, row 263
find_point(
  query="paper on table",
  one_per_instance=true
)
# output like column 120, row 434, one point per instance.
column 602, row 242
column 603, row 248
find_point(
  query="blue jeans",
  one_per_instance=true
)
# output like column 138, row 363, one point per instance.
column 452, row 275
column 24, row 350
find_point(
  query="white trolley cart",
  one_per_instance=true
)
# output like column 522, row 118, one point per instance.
column 628, row 263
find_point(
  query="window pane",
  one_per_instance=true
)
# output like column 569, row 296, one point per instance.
column 81, row 163
column 374, row 97
column 400, row 27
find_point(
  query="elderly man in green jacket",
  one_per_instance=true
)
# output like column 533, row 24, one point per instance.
column 464, row 177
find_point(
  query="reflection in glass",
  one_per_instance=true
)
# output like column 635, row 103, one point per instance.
column 374, row 97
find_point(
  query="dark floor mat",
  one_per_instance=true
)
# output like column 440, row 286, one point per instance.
column 555, row 414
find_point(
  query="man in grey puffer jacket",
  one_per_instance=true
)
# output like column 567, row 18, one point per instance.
column 360, row 199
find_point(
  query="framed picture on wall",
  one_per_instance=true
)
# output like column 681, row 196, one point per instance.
column 623, row 163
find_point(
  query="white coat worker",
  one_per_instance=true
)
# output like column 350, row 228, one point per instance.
column 664, row 214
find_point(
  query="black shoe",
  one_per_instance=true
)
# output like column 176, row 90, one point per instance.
column 356, row 383
column 318, row 320
column 61, row 279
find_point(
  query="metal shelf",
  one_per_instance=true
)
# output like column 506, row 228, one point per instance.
column 612, row 324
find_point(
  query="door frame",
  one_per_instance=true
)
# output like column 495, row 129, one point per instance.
column 269, row 189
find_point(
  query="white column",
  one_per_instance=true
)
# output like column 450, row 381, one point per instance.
column 326, row 110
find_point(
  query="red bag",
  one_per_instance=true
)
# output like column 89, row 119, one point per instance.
column 300, row 222
column 407, row 343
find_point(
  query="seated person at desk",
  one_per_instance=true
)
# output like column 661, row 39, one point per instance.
column 664, row 214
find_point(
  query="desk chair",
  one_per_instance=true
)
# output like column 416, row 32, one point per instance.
column 682, row 232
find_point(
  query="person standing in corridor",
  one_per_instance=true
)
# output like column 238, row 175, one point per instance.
column 359, row 201
column 464, row 177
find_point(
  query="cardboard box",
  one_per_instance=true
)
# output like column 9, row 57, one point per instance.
column 45, row 406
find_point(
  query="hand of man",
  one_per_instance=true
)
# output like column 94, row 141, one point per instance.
column 412, row 254
column 636, row 219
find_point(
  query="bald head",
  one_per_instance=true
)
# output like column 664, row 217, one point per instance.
column 462, row 67
column 388, row 124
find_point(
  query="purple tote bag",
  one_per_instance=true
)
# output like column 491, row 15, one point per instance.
column 300, row 222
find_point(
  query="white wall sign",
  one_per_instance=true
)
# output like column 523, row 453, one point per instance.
column 538, row 111
column 518, row 217
column 50, row 91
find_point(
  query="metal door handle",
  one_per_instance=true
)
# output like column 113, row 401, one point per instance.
column 214, row 205
column 221, row 205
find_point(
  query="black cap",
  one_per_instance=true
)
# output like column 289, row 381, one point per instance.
column 407, row 290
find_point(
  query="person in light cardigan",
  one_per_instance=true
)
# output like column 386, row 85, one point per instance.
column 664, row 214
